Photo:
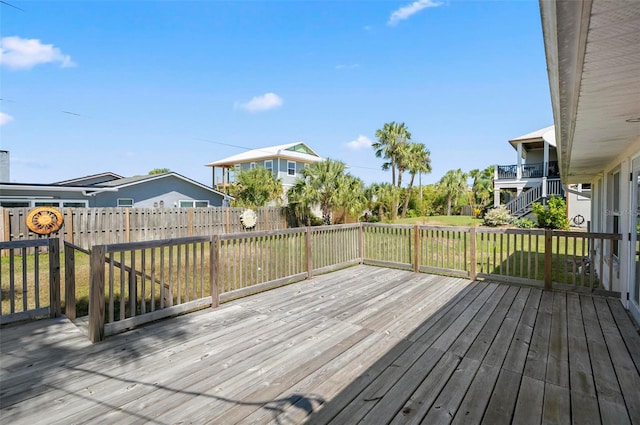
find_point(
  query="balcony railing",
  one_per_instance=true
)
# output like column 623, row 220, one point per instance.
column 528, row 171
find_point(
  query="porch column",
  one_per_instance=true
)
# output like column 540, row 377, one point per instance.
column 544, row 188
column 496, row 197
column 519, row 170
column 545, row 164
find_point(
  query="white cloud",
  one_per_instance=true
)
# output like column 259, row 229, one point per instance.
column 23, row 53
column 5, row 119
column 344, row 66
column 261, row 103
column 359, row 143
column 407, row 11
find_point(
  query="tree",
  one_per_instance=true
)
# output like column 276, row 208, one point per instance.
column 453, row 185
column 392, row 139
column 417, row 160
column 482, row 188
column 159, row 171
column 324, row 184
column 351, row 196
column 255, row 188
column 382, row 199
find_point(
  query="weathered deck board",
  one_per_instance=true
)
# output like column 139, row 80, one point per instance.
column 364, row 344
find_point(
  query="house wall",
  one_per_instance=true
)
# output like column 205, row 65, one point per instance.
column 578, row 209
column 602, row 217
column 536, row 156
column 169, row 190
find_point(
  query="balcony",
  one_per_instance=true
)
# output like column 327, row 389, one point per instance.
column 527, row 171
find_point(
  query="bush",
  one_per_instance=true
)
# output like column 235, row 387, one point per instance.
column 524, row 223
column 553, row 215
column 497, row 217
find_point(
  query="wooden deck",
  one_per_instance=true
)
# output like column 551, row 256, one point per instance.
column 365, row 344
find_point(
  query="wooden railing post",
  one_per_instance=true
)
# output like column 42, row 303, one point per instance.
column 308, row 253
column 548, row 251
column 54, row 277
column 69, row 282
column 214, row 270
column 472, row 254
column 96, row 294
column 416, row 248
column 361, row 243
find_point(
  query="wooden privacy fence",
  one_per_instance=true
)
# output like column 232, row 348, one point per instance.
column 29, row 289
column 85, row 227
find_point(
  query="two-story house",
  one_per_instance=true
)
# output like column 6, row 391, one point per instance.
column 285, row 161
column 536, row 177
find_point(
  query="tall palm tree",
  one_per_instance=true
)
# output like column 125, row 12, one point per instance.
column 453, row 185
column 351, row 195
column 392, row 138
column 418, row 160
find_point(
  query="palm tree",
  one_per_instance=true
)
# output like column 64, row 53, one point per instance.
column 320, row 185
column 482, row 186
column 453, row 185
column 392, row 138
column 351, row 196
column 256, row 187
column 418, row 160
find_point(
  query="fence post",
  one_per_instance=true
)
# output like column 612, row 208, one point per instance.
column 69, row 282
column 228, row 220
column 361, row 242
column 548, row 251
column 68, row 224
column 307, row 250
column 96, row 294
column 416, row 248
column 127, row 226
column 214, row 270
column 472, row 254
column 54, row 277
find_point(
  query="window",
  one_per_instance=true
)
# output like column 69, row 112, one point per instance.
column 192, row 204
column 268, row 164
column 75, row 204
column 125, row 202
column 291, row 168
column 14, row 204
column 252, row 165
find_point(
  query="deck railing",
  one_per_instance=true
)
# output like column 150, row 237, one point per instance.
column 29, row 290
column 134, row 283
column 528, row 171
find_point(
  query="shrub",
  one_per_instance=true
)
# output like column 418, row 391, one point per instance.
column 497, row 217
column 524, row 223
column 553, row 215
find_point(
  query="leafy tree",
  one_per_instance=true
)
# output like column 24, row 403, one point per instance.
column 159, row 171
column 255, row 188
column 417, row 161
column 453, row 185
column 351, row 196
column 553, row 215
column 382, row 199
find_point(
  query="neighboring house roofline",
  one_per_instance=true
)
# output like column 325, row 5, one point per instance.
column 86, row 190
column 266, row 153
column 75, row 181
column 546, row 134
column 132, row 181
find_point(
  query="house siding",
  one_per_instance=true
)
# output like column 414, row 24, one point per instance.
column 146, row 194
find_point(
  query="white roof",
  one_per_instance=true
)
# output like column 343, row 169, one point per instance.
column 279, row 151
column 548, row 134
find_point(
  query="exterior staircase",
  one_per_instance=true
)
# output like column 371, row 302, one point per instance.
column 521, row 206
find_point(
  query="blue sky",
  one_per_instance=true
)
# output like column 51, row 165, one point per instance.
column 89, row 87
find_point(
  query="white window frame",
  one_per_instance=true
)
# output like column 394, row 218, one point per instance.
column 268, row 164
column 613, row 210
column 193, row 203
column 252, row 165
column 118, row 201
column 289, row 168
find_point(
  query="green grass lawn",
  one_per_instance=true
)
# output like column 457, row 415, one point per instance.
column 441, row 220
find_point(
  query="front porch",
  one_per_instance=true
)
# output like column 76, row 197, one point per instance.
column 363, row 344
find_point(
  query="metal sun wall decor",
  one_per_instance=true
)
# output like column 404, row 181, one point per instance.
column 44, row 220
